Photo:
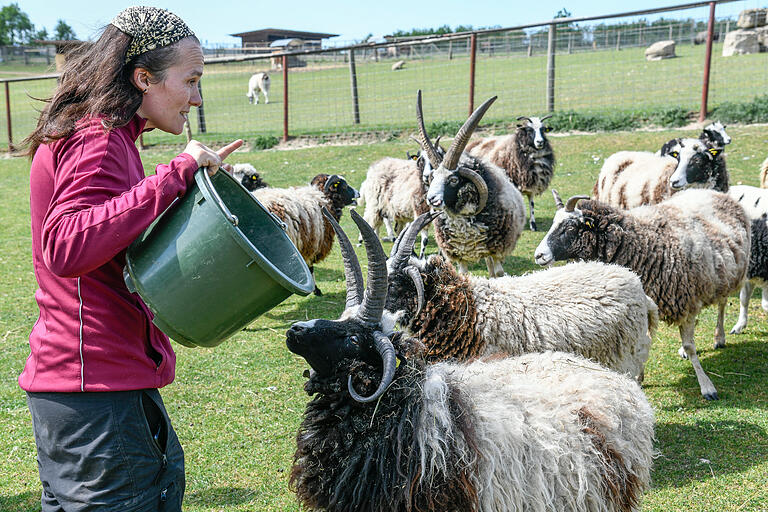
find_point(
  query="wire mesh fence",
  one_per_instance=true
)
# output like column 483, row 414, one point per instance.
column 597, row 67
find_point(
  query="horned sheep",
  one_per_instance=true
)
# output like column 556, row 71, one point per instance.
column 526, row 156
column 690, row 251
column 258, row 82
column 635, row 178
column 300, row 208
column 387, row 431
column 592, row 309
column 248, row 177
column 484, row 212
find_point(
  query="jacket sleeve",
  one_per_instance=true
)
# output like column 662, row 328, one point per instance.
column 95, row 210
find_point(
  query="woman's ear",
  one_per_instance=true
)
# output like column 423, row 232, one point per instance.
column 140, row 79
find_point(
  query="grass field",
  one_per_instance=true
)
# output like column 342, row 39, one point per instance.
column 320, row 99
column 236, row 407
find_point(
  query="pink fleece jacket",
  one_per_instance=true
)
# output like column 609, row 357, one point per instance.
column 89, row 200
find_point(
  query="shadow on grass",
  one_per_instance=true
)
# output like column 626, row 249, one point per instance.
column 24, row 502
column 707, row 449
column 219, row 496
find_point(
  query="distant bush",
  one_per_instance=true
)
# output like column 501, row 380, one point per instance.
column 755, row 111
column 570, row 120
column 264, row 141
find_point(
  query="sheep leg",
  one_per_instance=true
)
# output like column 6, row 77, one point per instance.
column 708, row 390
column 463, row 267
column 765, row 299
column 316, row 291
column 266, row 98
column 532, row 220
column 390, row 231
column 744, row 295
column 495, row 269
column 424, row 241
column 719, row 329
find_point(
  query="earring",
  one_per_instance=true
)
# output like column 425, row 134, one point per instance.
column 145, row 90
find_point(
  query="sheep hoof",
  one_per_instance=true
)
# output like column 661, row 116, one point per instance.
column 533, row 226
column 719, row 344
column 681, row 352
column 710, row 395
column 317, row 292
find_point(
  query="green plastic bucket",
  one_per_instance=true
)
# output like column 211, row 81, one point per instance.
column 214, row 261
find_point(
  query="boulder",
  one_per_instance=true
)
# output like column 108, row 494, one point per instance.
column 762, row 38
column 740, row 42
column 660, row 50
column 752, row 18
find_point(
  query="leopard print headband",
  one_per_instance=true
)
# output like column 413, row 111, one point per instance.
column 150, row 28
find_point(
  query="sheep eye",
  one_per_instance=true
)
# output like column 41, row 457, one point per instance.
column 353, row 340
column 675, row 154
column 453, row 181
column 547, row 129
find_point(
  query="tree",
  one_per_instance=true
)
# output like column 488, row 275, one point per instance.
column 63, row 31
column 40, row 35
column 14, row 25
column 563, row 13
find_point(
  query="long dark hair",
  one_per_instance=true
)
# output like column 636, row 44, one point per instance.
column 97, row 81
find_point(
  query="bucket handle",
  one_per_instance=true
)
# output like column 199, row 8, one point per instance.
column 232, row 218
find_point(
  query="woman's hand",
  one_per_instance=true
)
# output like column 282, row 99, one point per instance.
column 206, row 157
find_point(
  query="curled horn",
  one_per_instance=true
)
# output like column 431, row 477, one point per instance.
column 389, row 362
column 479, row 182
column 403, row 247
column 375, row 295
column 545, row 117
column 352, row 272
column 327, row 184
column 520, row 118
column 465, row 132
column 572, row 202
column 424, row 142
column 413, row 272
column 558, row 201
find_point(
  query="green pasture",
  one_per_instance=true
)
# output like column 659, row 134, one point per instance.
column 320, row 93
column 236, row 407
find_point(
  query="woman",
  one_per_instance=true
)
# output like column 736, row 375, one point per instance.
column 104, row 440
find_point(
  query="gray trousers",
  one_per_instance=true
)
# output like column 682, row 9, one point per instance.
column 114, row 451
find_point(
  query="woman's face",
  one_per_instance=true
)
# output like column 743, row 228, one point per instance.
column 166, row 103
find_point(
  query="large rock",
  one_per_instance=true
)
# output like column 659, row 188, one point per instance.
column 762, row 38
column 660, row 50
column 740, row 42
column 752, row 18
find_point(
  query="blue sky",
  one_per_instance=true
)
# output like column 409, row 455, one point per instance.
column 352, row 20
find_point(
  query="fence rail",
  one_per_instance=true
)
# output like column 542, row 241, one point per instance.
column 533, row 68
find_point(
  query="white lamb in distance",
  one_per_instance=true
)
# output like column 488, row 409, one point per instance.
column 258, row 82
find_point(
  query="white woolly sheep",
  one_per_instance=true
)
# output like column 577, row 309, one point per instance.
column 690, row 251
column 484, row 210
column 755, row 203
column 635, row 178
column 258, row 82
column 526, row 156
column 300, row 208
column 543, row 431
column 592, row 309
column 764, row 174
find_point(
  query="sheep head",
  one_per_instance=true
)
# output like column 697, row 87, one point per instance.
column 695, row 163
column 362, row 333
column 533, row 132
column 336, row 189
column 714, row 136
column 456, row 186
column 568, row 226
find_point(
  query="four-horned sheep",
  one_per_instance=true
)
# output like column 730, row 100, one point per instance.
column 258, row 82
column 484, row 211
column 592, row 309
column 300, row 208
column 690, row 251
column 635, row 178
column 526, row 156
column 755, row 203
column 248, row 176
column 387, row 431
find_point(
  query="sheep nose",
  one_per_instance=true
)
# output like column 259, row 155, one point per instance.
column 435, row 201
column 675, row 185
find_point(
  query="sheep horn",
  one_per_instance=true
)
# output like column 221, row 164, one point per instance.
column 546, row 117
column 572, row 202
column 418, row 282
column 465, row 132
column 352, row 272
column 520, row 118
column 479, row 182
column 558, row 201
column 407, row 238
column 424, row 142
column 375, row 295
column 389, row 362
column 327, row 184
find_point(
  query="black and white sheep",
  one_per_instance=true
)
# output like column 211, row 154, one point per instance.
column 690, row 251
column 592, row 309
column 300, row 208
column 714, row 136
column 526, row 156
column 635, row 178
column 393, row 193
column 755, row 203
column 543, row 431
column 258, row 82
column 248, row 176
column 484, row 211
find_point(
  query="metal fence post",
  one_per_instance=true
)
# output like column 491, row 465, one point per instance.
column 8, row 116
column 353, row 82
column 472, row 54
column 551, row 68
column 200, row 110
column 285, row 98
column 707, row 63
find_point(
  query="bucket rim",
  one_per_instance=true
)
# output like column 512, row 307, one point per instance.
column 209, row 192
